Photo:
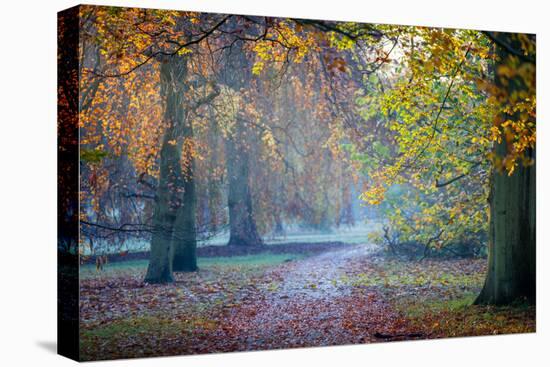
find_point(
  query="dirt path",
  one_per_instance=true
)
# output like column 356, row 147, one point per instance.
column 311, row 305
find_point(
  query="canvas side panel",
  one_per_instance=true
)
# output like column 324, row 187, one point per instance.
column 68, row 182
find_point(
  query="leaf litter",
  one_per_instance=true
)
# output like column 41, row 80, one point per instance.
column 348, row 295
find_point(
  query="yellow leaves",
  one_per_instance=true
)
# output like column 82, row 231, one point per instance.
column 126, row 114
column 374, row 195
column 268, row 139
column 509, row 165
column 518, row 131
column 424, row 152
column 515, row 98
column 528, row 45
column 258, row 67
column 480, row 140
column 341, row 42
column 495, row 134
column 172, row 142
column 184, row 51
column 285, row 42
column 263, row 50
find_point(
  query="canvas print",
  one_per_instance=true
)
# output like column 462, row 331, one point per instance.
column 240, row 183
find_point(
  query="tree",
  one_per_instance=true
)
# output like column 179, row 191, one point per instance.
column 459, row 127
column 174, row 241
column 168, row 206
column 184, row 244
column 391, row 107
column 512, row 243
column 242, row 224
column 144, row 51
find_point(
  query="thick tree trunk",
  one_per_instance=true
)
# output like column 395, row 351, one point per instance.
column 184, row 244
column 169, row 198
column 511, row 272
column 242, row 226
column 166, row 207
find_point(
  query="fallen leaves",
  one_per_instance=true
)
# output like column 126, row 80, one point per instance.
column 349, row 296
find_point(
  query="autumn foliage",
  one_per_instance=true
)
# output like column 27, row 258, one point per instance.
column 194, row 127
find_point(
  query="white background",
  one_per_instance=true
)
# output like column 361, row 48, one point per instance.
column 28, row 182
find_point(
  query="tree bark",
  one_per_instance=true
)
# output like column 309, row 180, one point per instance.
column 512, row 244
column 511, row 273
column 170, row 185
column 242, row 225
column 164, row 216
column 237, row 75
column 184, row 242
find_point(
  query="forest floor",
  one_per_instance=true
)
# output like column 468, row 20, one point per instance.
column 345, row 294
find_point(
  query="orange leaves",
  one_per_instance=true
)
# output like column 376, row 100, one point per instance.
column 284, row 42
column 374, row 195
column 98, row 183
column 126, row 114
column 337, row 63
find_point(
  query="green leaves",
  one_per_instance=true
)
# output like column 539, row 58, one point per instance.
column 434, row 126
column 92, row 155
column 381, row 149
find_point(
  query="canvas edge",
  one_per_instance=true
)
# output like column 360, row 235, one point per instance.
column 68, row 183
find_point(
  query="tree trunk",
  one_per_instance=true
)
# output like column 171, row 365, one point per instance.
column 511, row 274
column 279, row 229
column 242, row 226
column 184, row 243
column 170, row 184
column 160, row 266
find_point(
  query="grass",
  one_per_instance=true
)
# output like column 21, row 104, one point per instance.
column 415, row 310
column 248, row 262
column 459, row 317
column 393, row 273
column 136, row 333
column 399, row 280
column 354, row 235
column 437, row 298
column 147, row 325
column 433, row 298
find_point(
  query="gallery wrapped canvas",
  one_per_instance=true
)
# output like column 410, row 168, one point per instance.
column 237, row 183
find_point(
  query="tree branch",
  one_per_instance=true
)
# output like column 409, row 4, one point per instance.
column 442, row 184
column 511, row 50
column 165, row 53
column 121, row 228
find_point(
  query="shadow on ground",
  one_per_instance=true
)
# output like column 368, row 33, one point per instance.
column 48, row 345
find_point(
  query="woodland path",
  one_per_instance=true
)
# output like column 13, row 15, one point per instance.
column 313, row 304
